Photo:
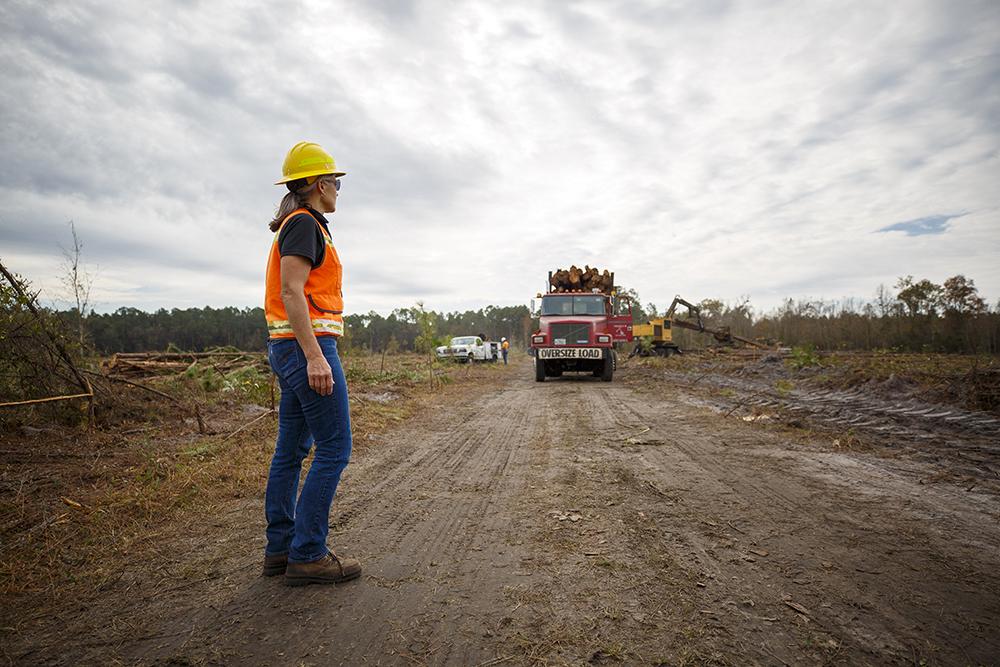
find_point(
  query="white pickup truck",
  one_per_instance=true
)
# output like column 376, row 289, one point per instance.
column 469, row 348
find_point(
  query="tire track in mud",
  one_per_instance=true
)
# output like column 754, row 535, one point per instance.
column 594, row 592
column 812, row 522
column 717, row 472
column 921, row 429
column 690, row 490
column 462, row 482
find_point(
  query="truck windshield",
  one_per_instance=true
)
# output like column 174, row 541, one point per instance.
column 466, row 340
column 590, row 304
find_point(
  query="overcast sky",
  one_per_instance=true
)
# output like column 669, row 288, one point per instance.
column 708, row 148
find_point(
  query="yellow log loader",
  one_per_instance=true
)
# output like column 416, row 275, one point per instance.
column 659, row 331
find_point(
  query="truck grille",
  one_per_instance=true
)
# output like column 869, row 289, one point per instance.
column 575, row 333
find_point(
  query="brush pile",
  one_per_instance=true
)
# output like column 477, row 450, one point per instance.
column 587, row 279
column 151, row 364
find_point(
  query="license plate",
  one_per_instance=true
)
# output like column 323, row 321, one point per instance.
column 570, row 353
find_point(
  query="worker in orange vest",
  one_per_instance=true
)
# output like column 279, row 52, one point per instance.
column 504, row 346
column 304, row 305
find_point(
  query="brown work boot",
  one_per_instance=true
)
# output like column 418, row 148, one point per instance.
column 274, row 565
column 330, row 569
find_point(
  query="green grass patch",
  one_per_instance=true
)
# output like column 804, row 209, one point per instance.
column 804, row 356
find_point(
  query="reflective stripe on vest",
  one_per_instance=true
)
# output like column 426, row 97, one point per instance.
column 324, row 297
column 334, row 327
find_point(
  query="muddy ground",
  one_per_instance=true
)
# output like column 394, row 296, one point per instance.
column 669, row 517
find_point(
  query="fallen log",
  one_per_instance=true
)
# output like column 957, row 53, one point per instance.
column 144, row 368
column 50, row 399
column 184, row 355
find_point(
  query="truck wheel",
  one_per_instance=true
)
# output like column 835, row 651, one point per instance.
column 608, row 370
column 471, row 358
column 539, row 370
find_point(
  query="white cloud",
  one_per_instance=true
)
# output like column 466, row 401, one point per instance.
column 706, row 148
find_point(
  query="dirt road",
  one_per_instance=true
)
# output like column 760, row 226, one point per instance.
column 577, row 521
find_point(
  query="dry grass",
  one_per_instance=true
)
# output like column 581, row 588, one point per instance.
column 78, row 507
column 971, row 381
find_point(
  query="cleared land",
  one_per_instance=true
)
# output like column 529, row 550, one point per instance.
column 702, row 510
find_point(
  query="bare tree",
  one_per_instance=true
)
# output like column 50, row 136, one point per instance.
column 884, row 299
column 77, row 279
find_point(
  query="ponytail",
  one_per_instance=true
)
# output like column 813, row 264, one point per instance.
column 295, row 199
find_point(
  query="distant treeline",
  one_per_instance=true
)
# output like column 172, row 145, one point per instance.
column 133, row 330
column 192, row 329
column 914, row 316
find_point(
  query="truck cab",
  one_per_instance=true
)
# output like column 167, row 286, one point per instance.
column 577, row 332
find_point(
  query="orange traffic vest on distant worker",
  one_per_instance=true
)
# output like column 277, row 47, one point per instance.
column 323, row 290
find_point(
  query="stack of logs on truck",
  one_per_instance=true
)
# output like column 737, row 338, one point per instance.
column 581, row 280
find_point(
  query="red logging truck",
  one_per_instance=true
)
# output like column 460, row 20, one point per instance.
column 578, row 328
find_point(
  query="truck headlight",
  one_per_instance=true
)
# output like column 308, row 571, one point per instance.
column 603, row 338
column 538, row 339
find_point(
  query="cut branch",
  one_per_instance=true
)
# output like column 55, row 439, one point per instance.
column 45, row 400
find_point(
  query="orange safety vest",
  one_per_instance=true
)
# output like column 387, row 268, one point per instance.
column 323, row 290
column 505, row 344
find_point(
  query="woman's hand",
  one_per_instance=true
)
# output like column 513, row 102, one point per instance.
column 320, row 375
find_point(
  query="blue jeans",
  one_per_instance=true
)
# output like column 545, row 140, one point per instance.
column 504, row 357
column 299, row 527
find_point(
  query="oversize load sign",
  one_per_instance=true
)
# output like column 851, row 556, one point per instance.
column 570, row 353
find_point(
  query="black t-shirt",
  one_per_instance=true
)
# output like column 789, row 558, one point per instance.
column 301, row 236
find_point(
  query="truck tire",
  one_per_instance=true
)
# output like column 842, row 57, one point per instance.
column 539, row 370
column 609, row 368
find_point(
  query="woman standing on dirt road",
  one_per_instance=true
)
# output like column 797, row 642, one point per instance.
column 303, row 303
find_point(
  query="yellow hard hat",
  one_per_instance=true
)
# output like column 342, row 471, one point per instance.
column 307, row 159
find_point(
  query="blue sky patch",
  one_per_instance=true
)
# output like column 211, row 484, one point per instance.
column 931, row 224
